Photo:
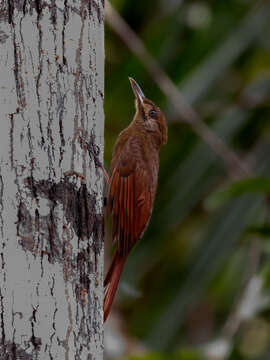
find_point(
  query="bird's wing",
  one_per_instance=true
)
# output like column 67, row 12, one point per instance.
column 130, row 199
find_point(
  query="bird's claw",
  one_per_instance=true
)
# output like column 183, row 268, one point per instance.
column 73, row 172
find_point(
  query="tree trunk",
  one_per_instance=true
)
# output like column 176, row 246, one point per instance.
column 51, row 217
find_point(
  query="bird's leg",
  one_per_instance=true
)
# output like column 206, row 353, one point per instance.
column 82, row 177
column 105, row 174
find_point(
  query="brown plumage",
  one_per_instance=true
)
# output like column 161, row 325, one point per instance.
column 133, row 183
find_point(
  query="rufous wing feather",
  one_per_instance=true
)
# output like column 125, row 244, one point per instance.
column 130, row 202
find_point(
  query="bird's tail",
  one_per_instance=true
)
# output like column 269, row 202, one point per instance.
column 111, row 282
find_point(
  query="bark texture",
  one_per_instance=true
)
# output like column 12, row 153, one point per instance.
column 51, row 224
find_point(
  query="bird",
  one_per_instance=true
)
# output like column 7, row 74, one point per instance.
column 133, row 182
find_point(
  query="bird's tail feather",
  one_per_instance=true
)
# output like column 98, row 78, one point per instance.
column 111, row 281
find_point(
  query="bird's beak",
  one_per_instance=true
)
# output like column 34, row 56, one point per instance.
column 137, row 90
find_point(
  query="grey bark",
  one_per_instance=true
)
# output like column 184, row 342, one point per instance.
column 51, row 224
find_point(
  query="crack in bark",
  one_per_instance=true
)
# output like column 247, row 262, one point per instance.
column 24, row 7
column 38, row 6
column 79, row 99
column 60, row 111
column 2, row 319
column 11, row 116
column 30, row 143
column 66, row 17
column 1, row 204
column 18, row 67
column 3, row 262
column 10, row 11
column 40, row 129
column 40, row 68
column 54, row 330
column 51, row 148
column 36, row 341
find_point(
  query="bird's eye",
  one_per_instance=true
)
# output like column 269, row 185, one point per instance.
column 152, row 113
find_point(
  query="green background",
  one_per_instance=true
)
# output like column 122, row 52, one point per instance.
column 207, row 244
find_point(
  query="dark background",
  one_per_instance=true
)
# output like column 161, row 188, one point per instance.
column 197, row 284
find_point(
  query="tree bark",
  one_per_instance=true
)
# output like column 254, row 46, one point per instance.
column 51, row 221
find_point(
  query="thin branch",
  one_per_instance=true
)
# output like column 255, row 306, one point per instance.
column 184, row 110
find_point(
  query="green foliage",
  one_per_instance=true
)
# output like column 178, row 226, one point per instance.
column 153, row 356
column 196, row 258
column 262, row 231
column 184, row 354
column 259, row 185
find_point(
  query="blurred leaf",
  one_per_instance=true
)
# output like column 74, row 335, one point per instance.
column 152, row 356
column 258, row 92
column 251, row 27
column 266, row 276
column 183, row 354
column 251, row 185
column 189, row 256
column 260, row 230
column 225, row 284
column 188, row 354
column 219, row 241
column 254, row 338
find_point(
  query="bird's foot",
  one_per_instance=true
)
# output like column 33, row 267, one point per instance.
column 93, row 151
column 73, row 172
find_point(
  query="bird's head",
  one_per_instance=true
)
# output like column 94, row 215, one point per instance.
column 149, row 115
